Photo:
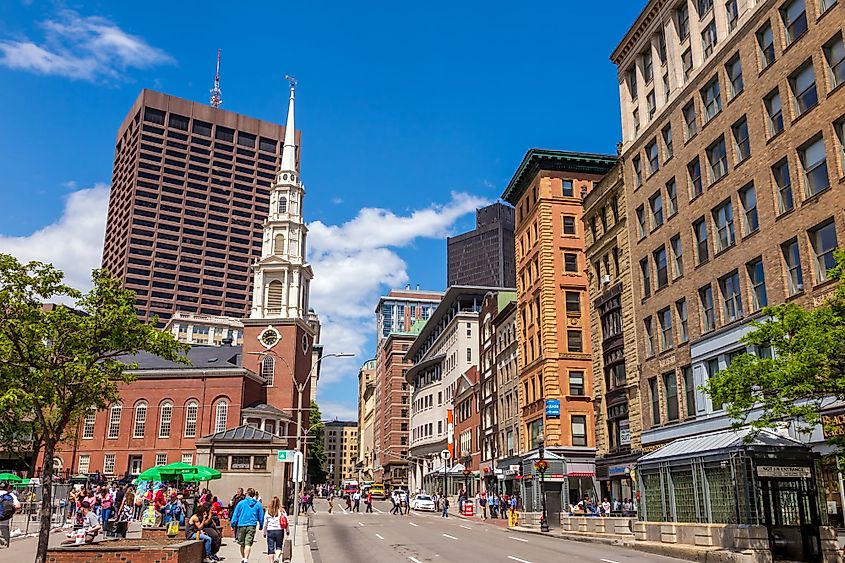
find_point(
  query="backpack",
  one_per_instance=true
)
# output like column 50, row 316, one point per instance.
column 7, row 508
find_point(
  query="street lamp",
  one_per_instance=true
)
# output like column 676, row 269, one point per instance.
column 542, row 465
column 467, row 472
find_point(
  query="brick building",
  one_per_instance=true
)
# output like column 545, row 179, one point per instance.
column 616, row 381
column 509, row 440
column 555, row 361
column 465, row 405
column 733, row 117
column 366, row 417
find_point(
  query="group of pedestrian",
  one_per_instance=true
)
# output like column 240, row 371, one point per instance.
column 494, row 504
column 401, row 502
column 248, row 516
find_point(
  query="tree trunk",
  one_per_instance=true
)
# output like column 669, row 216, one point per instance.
column 46, row 501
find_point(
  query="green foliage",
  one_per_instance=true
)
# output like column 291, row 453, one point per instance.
column 57, row 362
column 806, row 374
column 316, row 453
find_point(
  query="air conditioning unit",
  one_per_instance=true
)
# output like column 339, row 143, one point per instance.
column 605, row 279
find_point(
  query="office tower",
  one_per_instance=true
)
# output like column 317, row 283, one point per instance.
column 485, row 255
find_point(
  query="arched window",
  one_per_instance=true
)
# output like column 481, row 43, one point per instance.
column 268, row 365
column 274, row 296
column 279, row 244
column 283, row 204
column 221, row 416
column 140, row 420
column 165, row 417
column 114, row 421
column 191, row 410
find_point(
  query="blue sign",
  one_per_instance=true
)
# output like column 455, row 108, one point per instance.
column 552, row 407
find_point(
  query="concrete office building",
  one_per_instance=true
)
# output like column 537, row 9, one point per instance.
column 340, row 442
column 190, row 192
column 485, row 255
column 366, row 418
column 732, row 119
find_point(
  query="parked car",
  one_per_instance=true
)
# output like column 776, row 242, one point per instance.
column 423, row 502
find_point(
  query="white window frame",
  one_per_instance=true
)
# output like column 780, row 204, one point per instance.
column 139, row 420
column 115, row 412
column 165, row 419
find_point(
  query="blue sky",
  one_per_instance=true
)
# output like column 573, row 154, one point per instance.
column 412, row 114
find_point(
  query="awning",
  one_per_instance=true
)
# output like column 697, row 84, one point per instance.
column 580, row 469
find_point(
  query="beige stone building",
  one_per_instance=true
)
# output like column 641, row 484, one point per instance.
column 616, row 381
column 200, row 329
column 340, row 442
column 366, row 418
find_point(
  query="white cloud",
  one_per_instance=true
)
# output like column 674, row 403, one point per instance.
column 332, row 411
column 74, row 243
column 356, row 262
column 81, row 48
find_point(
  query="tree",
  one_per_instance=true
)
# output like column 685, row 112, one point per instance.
column 316, row 453
column 805, row 373
column 57, row 362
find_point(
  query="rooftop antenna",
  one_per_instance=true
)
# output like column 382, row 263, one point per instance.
column 291, row 80
column 216, row 94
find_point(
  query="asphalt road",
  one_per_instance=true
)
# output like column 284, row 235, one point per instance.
column 426, row 537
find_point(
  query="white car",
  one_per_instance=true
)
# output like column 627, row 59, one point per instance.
column 423, row 502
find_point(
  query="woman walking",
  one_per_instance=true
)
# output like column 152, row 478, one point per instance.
column 275, row 524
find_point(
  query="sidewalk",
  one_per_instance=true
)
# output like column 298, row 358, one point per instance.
column 301, row 550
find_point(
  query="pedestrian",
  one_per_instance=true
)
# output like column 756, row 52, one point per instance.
column 406, row 502
column 311, row 502
column 369, row 502
column 436, row 499
column 349, row 502
column 395, row 498
column 356, row 497
column 236, row 498
column 445, row 507
column 90, row 523
column 194, row 530
column 605, row 507
column 275, row 524
column 248, row 514
column 330, row 499
column 9, row 504
column 106, row 500
column 482, row 502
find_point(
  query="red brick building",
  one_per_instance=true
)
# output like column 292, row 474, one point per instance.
column 468, row 425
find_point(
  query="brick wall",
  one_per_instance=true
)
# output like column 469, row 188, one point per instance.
column 120, row 552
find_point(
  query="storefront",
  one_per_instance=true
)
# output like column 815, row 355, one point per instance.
column 616, row 481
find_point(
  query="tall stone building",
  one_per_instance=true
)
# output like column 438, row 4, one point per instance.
column 555, row 364
column 485, row 255
column 366, row 417
column 190, row 192
column 340, row 442
column 509, row 440
column 616, row 381
column 733, row 118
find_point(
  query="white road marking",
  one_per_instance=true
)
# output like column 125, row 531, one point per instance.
column 518, row 539
column 609, row 561
column 414, row 559
column 518, row 559
column 377, row 510
column 414, row 525
column 360, row 523
column 466, row 527
column 379, row 536
column 450, row 537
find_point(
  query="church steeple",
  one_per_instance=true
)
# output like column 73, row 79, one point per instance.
column 282, row 275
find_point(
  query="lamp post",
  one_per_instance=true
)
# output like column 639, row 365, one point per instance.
column 542, row 465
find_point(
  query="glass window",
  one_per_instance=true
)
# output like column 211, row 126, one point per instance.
column 734, row 70
column 645, row 271
column 191, row 410
column 114, row 421
column 732, row 11
column 717, row 157
column 677, row 256
column 655, row 203
column 709, row 39
column 161, row 459
column 579, row 430
column 636, row 162
column 672, row 197
column 649, row 336
column 221, row 417
column 794, row 16
column 641, row 221
column 570, row 262
column 567, row 188
column 803, row 84
column 708, row 318
column 814, row 162
column 689, row 120
column 108, row 464
column 742, row 144
column 140, row 420
column 748, row 198
column 711, row 99
column 774, row 110
column 648, row 66
column 839, row 127
column 636, row 117
column 661, row 267
column 757, row 283
column 576, row 383
column 689, row 390
column 683, row 329
column 823, row 240
column 731, row 297
column 780, row 172
column 694, row 169
column 84, row 464
column 682, row 17
column 655, row 400
column 661, row 47
column 268, row 366
column 651, row 104
column 573, row 303
column 632, row 82
column 259, row 462
column 766, row 42
column 825, row 4
column 792, row 263
column 713, row 369
column 88, row 424
column 165, row 419
column 723, row 218
column 704, row 7
column 670, row 387
column 699, row 228
column 664, row 316
column 652, row 152
column 568, row 225
column 686, row 62
column 666, row 133
column 834, row 53
column 574, row 341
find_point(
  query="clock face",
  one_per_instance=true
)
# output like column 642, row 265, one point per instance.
column 269, row 337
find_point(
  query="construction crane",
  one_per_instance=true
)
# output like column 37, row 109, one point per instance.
column 216, row 94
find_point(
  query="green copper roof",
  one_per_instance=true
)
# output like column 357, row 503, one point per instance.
column 562, row 161
column 505, row 297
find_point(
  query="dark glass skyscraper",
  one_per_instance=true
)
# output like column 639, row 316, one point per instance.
column 484, row 256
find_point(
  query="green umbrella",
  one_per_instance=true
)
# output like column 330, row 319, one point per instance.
column 10, row 477
column 169, row 472
column 203, row 474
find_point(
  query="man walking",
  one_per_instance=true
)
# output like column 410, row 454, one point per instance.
column 9, row 504
column 369, row 502
column 238, row 497
column 445, row 507
column 248, row 515
column 356, row 496
column 396, row 503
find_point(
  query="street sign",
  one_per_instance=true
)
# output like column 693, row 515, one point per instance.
column 445, row 454
column 553, row 407
column 286, row 456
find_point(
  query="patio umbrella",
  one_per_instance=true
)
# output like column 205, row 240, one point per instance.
column 169, row 472
column 203, row 474
column 10, row 477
